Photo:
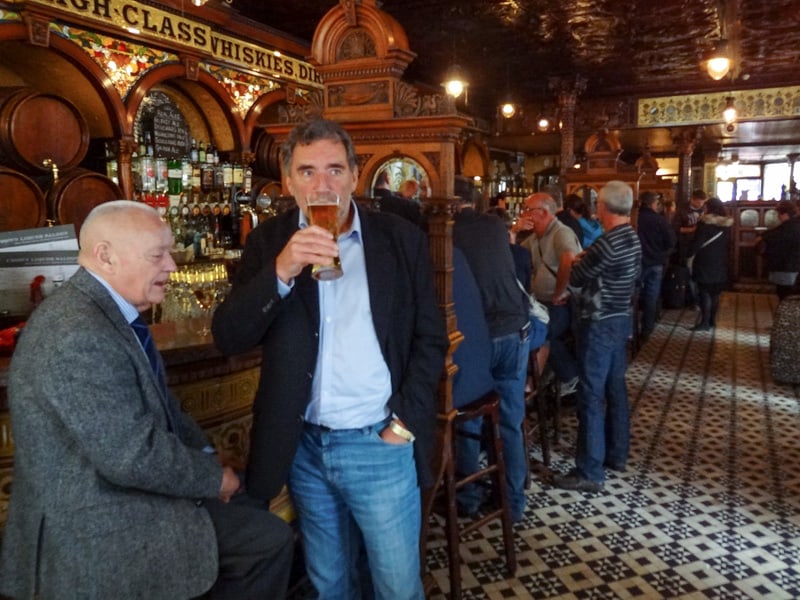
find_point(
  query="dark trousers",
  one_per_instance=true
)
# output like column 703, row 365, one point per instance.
column 709, row 305
column 649, row 294
column 255, row 550
column 562, row 357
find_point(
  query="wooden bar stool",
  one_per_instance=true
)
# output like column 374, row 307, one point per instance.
column 542, row 410
column 486, row 407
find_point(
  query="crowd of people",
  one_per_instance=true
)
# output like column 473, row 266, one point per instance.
column 117, row 493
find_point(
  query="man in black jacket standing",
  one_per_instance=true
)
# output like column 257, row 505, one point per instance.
column 345, row 407
column 658, row 240
column 484, row 241
column 781, row 248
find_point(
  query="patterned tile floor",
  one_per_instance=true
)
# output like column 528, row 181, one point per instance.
column 709, row 506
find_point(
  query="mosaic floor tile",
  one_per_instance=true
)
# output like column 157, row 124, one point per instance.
column 709, row 505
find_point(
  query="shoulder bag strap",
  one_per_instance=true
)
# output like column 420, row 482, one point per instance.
column 709, row 240
column 539, row 246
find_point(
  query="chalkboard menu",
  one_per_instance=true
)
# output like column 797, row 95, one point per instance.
column 167, row 127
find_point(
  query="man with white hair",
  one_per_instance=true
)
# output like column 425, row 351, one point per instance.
column 116, row 492
column 553, row 246
column 605, row 275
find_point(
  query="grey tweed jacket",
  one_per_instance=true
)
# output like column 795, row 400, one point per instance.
column 104, row 497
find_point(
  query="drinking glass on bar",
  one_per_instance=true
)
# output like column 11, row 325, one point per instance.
column 323, row 211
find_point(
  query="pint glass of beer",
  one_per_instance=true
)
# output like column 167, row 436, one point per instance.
column 323, row 211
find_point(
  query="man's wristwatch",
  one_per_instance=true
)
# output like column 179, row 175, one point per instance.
column 401, row 431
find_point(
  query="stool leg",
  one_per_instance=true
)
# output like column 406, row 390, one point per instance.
column 502, row 490
column 451, row 524
column 541, row 411
column 541, row 414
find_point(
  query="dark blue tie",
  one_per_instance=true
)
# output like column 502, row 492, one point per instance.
column 142, row 332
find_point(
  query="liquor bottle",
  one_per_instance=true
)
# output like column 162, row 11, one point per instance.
column 174, row 177
column 219, row 177
column 194, row 155
column 162, row 174
column 227, row 176
column 197, row 180
column 201, row 153
column 186, row 173
column 149, row 142
column 112, row 167
column 247, row 180
column 206, row 177
column 238, row 175
column 136, row 171
column 148, row 169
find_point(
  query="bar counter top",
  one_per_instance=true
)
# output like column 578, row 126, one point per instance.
column 188, row 355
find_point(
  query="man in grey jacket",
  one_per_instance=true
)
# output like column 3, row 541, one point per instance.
column 116, row 493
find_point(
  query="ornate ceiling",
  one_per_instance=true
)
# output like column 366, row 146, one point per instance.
column 623, row 50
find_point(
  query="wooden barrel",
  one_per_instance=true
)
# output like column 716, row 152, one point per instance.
column 37, row 127
column 76, row 193
column 268, row 157
column 264, row 185
column 21, row 202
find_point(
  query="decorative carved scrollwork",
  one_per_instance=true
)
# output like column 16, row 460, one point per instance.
column 38, row 30
column 408, row 102
column 356, row 94
column 192, row 66
column 300, row 112
column 356, row 44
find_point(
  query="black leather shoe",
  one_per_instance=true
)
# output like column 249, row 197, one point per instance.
column 573, row 481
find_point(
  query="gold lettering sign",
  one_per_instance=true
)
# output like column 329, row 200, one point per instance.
column 159, row 25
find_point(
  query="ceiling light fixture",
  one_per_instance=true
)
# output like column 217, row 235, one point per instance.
column 455, row 83
column 544, row 123
column 729, row 113
column 508, row 109
column 719, row 63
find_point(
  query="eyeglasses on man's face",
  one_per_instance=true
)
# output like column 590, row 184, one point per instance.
column 530, row 209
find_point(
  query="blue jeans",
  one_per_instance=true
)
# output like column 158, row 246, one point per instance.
column 648, row 296
column 509, row 368
column 603, row 413
column 561, row 358
column 355, row 494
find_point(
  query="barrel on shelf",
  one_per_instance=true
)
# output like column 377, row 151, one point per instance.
column 267, row 157
column 37, row 127
column 264, row 186
column 76, row 193
column 22, row 203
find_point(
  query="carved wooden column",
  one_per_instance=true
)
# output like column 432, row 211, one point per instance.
column 123, row 149
column 440, row 211
column 567, row 90
column 685, row 140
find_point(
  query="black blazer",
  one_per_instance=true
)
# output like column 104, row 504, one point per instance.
column 408, row 323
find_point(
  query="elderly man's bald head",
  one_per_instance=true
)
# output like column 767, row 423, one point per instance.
column 128, row 245
column 541, row 200
column 114, row 219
